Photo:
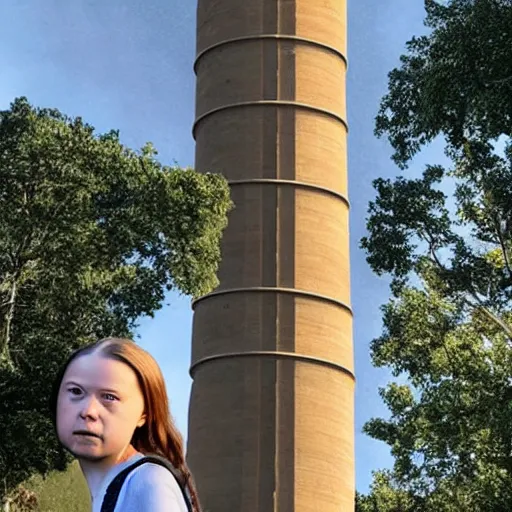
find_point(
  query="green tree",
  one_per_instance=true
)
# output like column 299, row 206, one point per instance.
column 386, row 496
column 92, row 235
column 448, row 326
column 455, row 82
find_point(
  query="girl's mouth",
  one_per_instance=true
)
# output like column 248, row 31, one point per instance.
column 87, row 433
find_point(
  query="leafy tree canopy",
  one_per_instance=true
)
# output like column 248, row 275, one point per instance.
column 445, row 239
column 456, row 81
column 92, row 235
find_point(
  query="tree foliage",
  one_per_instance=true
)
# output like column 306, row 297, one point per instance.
column 386, row 496
column 445, row 239
column 456, row 81
column 92, row 235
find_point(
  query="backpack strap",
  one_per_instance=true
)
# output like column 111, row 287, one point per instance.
column 114, row 488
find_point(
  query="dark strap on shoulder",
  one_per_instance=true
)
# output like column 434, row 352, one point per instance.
column 114, row 488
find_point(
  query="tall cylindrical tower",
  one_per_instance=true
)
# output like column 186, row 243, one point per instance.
column 272, row 413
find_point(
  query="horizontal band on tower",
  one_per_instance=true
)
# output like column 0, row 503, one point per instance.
column 299, row 184
column 276, row 355
column 275, row 289
column 282, row 37
column 273, row 103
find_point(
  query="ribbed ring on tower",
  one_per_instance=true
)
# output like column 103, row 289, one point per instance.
column 276, row 103
column 273, row 354
column 299, row 184
column 283, row 37
column 275, row 289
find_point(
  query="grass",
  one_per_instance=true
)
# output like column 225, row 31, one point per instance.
column 64, row 491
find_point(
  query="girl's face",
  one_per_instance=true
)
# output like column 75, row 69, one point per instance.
column 99, row 406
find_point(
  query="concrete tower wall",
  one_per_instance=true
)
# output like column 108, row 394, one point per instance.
column 271, row 413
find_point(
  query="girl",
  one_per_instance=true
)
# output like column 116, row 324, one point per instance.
column 111, row 411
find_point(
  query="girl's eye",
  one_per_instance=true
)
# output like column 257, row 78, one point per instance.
column 109, row 397
column 75, row 391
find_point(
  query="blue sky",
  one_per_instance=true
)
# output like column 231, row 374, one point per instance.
column 127, row 65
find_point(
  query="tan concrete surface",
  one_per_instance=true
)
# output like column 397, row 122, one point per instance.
column 271, row 421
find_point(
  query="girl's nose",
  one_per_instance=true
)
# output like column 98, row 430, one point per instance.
column 89, row 408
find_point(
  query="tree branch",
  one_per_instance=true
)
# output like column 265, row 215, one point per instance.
column 5, row 336
column 502, row 245
column 494, row 318
column 499, row 81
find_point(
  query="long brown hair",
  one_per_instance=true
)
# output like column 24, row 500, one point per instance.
column 158, row 435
